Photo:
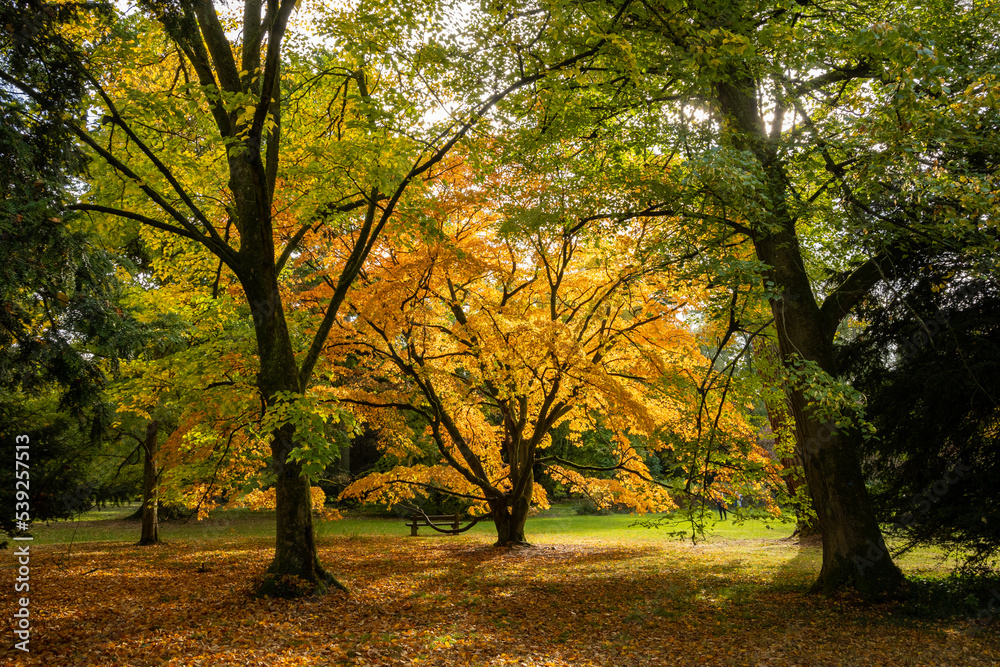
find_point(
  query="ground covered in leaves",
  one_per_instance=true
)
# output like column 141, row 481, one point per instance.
column 458, row 601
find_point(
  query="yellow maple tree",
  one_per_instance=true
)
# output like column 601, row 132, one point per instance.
column 492, row 339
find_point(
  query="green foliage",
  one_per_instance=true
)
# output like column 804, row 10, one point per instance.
column 929, row 363
column 957, row 595
column 831, row 399
column 311, row 417
column 63, row 329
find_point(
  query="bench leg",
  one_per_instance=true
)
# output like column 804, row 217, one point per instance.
column 413, row 530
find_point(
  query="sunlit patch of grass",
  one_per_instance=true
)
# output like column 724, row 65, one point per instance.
column 756, row 548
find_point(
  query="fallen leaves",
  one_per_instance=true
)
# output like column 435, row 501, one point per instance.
column 458, row 601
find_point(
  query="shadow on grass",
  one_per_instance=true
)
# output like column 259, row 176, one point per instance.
column 441, row 603
column 798, row 572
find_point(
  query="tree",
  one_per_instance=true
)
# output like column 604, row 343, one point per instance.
column 205, row 139
column 925, row 345
column 187, row 398
column 811, row 134
column 150, row 479
column 927, row 362
column 63, row 330
column 495, row 337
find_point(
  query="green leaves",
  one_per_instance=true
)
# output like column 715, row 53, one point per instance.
column 315, row 447
column 830, row 399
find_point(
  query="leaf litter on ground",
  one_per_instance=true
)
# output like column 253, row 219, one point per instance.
column 459, row 601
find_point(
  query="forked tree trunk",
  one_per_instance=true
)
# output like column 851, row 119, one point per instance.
column 510, row 514
column 150, row 496
column 853, row 549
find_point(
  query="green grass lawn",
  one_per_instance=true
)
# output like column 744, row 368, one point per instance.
column 595, row 590
column 559, row 524
column 109, row 524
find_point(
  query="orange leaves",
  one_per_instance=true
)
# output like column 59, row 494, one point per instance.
column 627, row 489
column 577, row 601
column 492, row 337
column 404, row 484
column 259, row 500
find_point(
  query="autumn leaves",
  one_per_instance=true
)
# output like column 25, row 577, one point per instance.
column 488, row 340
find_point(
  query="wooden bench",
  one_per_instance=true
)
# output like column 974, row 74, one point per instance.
column 436, row 521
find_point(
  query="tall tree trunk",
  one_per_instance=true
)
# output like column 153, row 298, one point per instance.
column 150, row 496
column 345, row 459
column 853, row 548
column 510, row 514
column 296, row 568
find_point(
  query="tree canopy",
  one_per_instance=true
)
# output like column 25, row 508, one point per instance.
column 471, row 225
column 63, row 330
column 494, row 339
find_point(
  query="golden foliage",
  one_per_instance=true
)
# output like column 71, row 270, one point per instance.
column 494, row 338
column 261, row 500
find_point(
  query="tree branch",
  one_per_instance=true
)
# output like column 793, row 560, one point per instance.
column 118, row 120
column 436, row 488
column 300, row 234
column 855, row 286
column 863, row 70
column 218, row 45
column 366, row 239
column 138, row 217
column 270, row 81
